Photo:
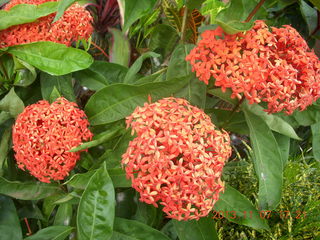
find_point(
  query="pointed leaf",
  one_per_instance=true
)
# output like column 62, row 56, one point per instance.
column 51, row 233
column 63, row 5
column 4, row 147
column 12, row 103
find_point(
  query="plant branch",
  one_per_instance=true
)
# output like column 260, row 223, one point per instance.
column 255, row 10
column 184, row 24
column 100, row 49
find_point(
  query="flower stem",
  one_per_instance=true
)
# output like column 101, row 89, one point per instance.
column 255, row 10
column 184, row 24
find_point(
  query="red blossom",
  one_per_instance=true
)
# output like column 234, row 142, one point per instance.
column 75, row 24
column 43, row 134
column 276, row 67
column 177, row 158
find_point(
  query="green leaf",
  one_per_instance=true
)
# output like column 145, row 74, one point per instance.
column 315, row 128
column 195, row 90
column 135, row 9
column 225, row 96
column 27, row 190
column 310, row 15
column 203, row 229
column 192, row 4
column 124, row 229
column 12, row 103
column 148, row 214
column 54, row 95
column 316, row 3
column 53, row 58
column 274, row 122
column 136, row 66
column 9, row 221
column 96, row 209
column 212, row 8
column 103, row 137
column 117, row 101
column 237, row 208
column 4, row 147
column 284, row 146
column 63, row 5
column 231, row 19
column 25, row 73
column 62, row 84
column 100, row 74
column 267, row 161
column 118, row 177
column 25, row 13
column 51, row 233
column 64, row 215
column 120, row 48
column 309, row 116
column 80, row 180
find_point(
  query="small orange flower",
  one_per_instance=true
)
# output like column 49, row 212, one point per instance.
column 75, row 24
column 177, row 158
column 43, row 134
column 274, row 67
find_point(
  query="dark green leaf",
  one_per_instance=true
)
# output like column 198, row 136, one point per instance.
column 284, row 146
column 125, row 229
column 237, row 208
column 100, row 74
column 4, row 147
column 310, row 15
column 25, row 13
column 27, row 190
column 10, row 228
column 52, row 58
column 148, row 214
column 126, row 203
column 203, row 229
column 192, row 4
column 64, row 215
column 51, row 233
column 120, row 48
column 63, row 5
column 49, row 204
column 117, row 101
column 136, row 66
column 25, row 73
column 170, row 230
column 225, row 96
column 96, row 209
column 118, row 177
column 274, row 122
column 316, row 3
column 315, row 128
column 308, row 117
column 4, row 116
column 63, row 85
column 80, row 180
column 12, row 103
column 135, row 9
column 267, row 161
column 195, row 90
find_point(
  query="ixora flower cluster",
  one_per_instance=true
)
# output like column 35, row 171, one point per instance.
column 276, row 67
column 177, row 158
column 43, row 134
column 75, row 24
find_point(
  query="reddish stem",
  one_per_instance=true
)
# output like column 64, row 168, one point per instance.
column 255, row 10
column 100, row 49
column 28, row 227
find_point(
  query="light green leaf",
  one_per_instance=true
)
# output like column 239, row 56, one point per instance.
column 25, row 13
column 97, row 208
column 237, row 208
column 120, row 48
column 53, row 58
column 315, row 128
column 51, row 233
column 117, row 101
column 12, row 104
column 54, row 95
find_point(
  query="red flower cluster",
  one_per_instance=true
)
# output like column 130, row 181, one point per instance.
column 43, row 134
column 176, row 158
column 275, row 67
column 75, row 24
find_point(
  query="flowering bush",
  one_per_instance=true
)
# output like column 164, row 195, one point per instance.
column 275, row 67
column 43, row 134
column 177, row 158
column 75, row 24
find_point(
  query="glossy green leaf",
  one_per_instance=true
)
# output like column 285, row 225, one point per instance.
column 267, row 161
column 136, row 66
column 25, row 73
column 195, row 90
column 25, row 13
column 12, row 104
column 27, row 190
column 100, row 74
column 117, row 101
column 99, row 139
column 51, row 233
column 232, row 19
column 4, row 147
column 135, row 9
column 315, row 128
column 310, row 15
column 80, row 180
column 125, row 229
column 63, row 5
column 237, row 208
column 63, row 85
column 53, row 58
column 96, row 209
column 120, row 48
column 64, row 215
column 274, row 122
column 203, row 229
column 10, row 228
